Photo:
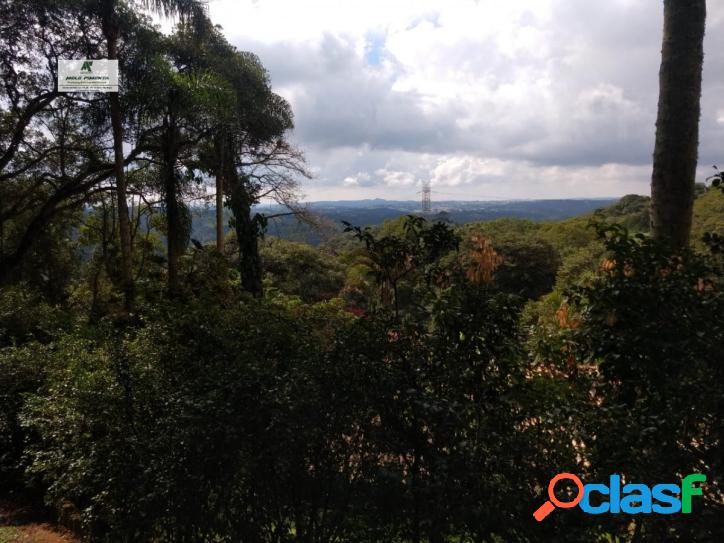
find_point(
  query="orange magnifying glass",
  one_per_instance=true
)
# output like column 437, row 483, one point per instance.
column 547, row 508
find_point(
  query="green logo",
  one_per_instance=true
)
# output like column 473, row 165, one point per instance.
column 87, row 65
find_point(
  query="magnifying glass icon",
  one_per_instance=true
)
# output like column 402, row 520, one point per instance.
column 547, row 508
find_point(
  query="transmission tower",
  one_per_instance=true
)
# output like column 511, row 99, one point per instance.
column 426, row 192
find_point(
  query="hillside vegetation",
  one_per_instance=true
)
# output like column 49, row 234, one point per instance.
column 416, row 380
column 386, row 386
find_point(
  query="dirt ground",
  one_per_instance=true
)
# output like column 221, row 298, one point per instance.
column 21, row 525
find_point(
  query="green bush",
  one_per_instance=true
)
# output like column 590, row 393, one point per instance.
column 22, row 373
column 269, row 421
column 652, row 325
column 298, row 269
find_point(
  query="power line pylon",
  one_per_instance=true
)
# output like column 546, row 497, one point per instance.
column 426, row 194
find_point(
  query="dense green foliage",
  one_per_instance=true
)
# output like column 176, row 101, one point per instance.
column 411, row 382
column 298, row 269
column 653, row 322
column 217, row 416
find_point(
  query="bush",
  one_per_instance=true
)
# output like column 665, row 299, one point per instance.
column 298, row 269
column 22, row 373
column 28, row 326
column 276, row 421
column 652, row 324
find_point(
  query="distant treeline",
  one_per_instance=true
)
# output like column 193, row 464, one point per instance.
column 374, row 212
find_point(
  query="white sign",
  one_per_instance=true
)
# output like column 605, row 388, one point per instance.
column 88, row 75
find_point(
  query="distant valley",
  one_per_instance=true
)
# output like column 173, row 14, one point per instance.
column 330, row 214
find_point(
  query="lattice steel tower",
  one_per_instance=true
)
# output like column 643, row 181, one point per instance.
column 426, row 192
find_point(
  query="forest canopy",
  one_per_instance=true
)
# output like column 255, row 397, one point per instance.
column 417, row 381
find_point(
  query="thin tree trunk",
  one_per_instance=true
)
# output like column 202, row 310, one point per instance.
column 677, row 126
column 124, row 223
column 220, row 198
column 414, row 484
column 172, row 220
column 173, row 213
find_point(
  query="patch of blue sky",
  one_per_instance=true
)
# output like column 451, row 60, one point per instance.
column 374, row 49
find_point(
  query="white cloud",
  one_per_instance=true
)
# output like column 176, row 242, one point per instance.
column 360, row 179
column 533, row 98
column 396, row 178
column 465, row 170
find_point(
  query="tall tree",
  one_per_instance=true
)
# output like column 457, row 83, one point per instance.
column 262, row 171
column 177, row 121
column 111, row 32
column 108, row 12
column 677, row 126
column 249, row 157
column 193, row 103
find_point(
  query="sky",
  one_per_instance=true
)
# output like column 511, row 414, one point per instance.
column 486, row 100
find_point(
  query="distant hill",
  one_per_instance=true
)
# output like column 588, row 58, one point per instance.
column 373, row 212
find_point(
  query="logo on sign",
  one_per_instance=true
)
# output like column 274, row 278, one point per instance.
column 88, row 75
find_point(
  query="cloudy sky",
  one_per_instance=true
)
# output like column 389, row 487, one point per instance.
column 486, row 99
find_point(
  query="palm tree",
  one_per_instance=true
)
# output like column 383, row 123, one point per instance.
column 677, row 126
column 108, row 13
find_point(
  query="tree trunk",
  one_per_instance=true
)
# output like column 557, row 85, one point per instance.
column 172, row 221
column 171, row 203
column 677, row 125
column 110, row 29
column 247, row 235
column 220, row 197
